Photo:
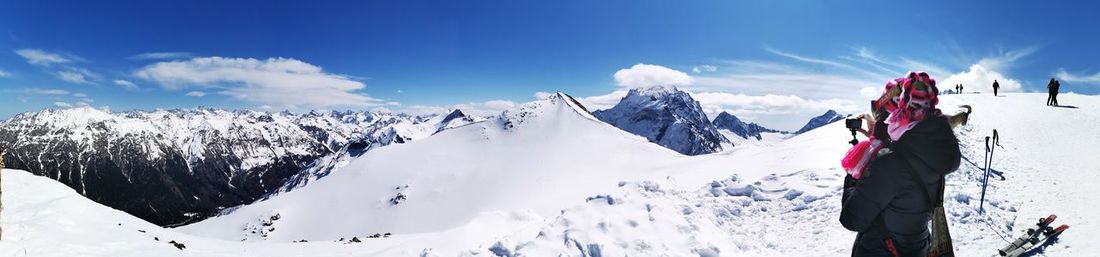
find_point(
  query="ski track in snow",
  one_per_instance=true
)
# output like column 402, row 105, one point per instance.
column 774, row 199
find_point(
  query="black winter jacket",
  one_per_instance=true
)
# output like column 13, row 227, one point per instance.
column 888, row 202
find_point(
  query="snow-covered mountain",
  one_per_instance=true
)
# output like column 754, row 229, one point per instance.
column 176, row 166
column 726, row 121
column 518, row 160
column 822, row 120
column 548, row 180
column 666, row 116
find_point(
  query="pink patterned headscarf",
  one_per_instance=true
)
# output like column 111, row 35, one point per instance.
column 916, row 102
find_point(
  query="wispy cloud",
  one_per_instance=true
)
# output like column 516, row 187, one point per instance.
column 4, row 74
column 41, row 58
column 196, row 94
column 161, row 56
column 78, row 76
column 825, row 62
column 126, row 84
column 42, row 91
column 704, row 68
column 1063, row 75
column 73, row 77
column 279, row 82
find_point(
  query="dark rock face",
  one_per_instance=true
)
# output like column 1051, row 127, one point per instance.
column 665, row 116
column 177, row 167
column 740, row 128
column 816, row 122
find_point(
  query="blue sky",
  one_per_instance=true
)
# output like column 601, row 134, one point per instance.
column 776, row 63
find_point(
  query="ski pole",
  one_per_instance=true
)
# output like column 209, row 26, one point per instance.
column 985, row 179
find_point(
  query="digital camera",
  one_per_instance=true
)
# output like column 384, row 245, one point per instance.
column 853, row 124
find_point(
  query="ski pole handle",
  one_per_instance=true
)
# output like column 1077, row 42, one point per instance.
column 996, row 139
column 987, row 144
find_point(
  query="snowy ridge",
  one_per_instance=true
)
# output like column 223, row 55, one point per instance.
column 829, row 116
column 744, row 130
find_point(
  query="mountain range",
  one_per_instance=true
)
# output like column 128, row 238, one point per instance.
column 176, row 167
column 173, row 167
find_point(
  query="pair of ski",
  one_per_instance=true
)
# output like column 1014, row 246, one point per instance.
column 1034, row 236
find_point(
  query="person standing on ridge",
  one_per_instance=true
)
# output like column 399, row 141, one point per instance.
column 1057, row 85
column 1051, row 91
column 889, row 195
column 960, row 88
column 995, row 87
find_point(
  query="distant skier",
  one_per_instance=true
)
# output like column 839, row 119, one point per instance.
column 961, row 88
column 889, row 194
column 996, row 86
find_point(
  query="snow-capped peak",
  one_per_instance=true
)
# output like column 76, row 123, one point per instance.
column 557, row 104
column 666, row 116
column 822, row 120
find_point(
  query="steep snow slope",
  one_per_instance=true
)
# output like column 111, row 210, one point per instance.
column 44, row 218
column 521, row 160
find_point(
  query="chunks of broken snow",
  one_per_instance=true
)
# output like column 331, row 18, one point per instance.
column 657, row 218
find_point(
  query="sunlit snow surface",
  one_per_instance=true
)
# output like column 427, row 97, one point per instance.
column 547, row 180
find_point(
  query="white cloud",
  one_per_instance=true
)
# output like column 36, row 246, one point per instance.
column 62, row 104
column 980, row 78
column 41, row 58
column 73, row 77
column 161, row 56
column 702, row 68
column 981, row 75
column 196, row 93
column 1064, row 76
column 4, row 74
column 280, row 82
column 126, row 84
column 647, row 75
column 870, row 92
column 602, row 102
column 78, row 76
column 80, row 95
column 540, row 95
